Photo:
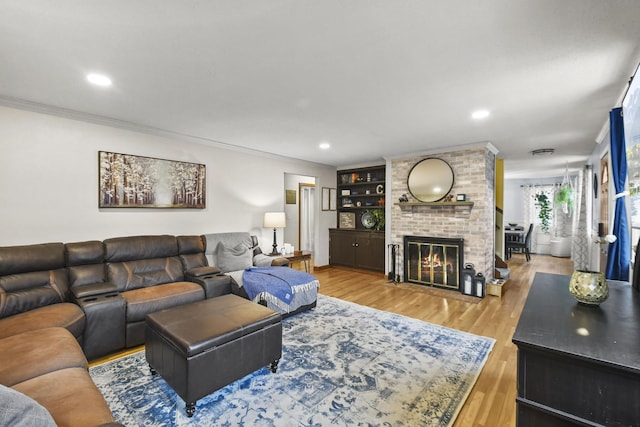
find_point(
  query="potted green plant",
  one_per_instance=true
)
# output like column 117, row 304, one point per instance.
column 544, row 211
column 564, row 197
column 378, row 215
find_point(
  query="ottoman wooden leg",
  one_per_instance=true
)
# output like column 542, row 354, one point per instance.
column 274, row 366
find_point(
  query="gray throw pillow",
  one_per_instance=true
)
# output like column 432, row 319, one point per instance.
column 19, row 410
column 234, row 259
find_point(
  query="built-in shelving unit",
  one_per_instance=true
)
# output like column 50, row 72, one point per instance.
column 360, row 191
column 359, row 239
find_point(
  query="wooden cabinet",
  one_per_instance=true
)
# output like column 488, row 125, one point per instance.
column 360, row 192
column 360, row 249
column 578, row 365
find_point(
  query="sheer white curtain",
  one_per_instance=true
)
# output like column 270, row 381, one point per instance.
column 530, row 214
column 581, row 241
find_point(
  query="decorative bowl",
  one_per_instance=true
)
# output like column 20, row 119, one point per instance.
column 513, row 224
column 589, row 287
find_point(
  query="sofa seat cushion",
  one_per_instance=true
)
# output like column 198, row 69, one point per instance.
column 34, row 353
column 65, row 315
column 70, row 396
column 143, row 301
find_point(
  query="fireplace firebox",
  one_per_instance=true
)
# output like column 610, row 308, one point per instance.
column 433, row 261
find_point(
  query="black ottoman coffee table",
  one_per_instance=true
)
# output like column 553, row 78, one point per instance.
column 201, row 347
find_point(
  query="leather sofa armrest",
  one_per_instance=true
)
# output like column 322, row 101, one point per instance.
column 93, row 289
column 279, row 262
column 202, row 271
column 214, row 285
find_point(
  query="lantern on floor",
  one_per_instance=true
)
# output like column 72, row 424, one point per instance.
column 468, row 278
column 479, row 285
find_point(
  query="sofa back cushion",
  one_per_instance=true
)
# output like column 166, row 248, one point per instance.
column 32, row 276
column 141, row 261
column 191, row 250
column 85, row 262
column 227, row 240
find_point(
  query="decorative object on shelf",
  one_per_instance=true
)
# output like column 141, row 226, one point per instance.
column 403, row 198
column 381, row 201
column 358, row 203
column 378, row 215
column 347, row 220
column 275, row 220
column 430, row 180
column 379, row 188
column 461, row 198
column 448, row 198
column 368, row 176
column 367, row 220
column 589, row 287
column 346, row 192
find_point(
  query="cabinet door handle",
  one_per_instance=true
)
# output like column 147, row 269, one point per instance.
column 356, row 245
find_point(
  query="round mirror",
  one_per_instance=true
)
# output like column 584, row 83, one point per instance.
column 430, row 180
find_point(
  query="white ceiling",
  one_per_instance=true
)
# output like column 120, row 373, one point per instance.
column 373, row 78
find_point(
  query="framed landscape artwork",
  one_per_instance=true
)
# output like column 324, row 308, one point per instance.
column 128, row 181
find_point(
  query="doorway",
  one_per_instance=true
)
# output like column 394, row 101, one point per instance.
column 300, row 207
column 306, row 209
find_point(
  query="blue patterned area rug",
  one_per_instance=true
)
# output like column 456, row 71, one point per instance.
column 343, row 364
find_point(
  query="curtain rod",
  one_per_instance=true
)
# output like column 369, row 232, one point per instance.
column 540, row 185
column 605, row 127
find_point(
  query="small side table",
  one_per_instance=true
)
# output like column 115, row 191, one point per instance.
column 304, row 256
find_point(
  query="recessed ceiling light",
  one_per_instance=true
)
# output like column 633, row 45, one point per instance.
column 324, row 146
column 99, row 79
column 480, row 114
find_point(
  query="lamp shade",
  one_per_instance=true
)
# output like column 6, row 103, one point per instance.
column 275, row 220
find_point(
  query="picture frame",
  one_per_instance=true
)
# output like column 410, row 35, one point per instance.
column 329, row 199
column 325, row 198
column 347, row 220
column 131, row 181
column 290, row 197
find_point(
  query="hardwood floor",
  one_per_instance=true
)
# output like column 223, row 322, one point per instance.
column 492, row 400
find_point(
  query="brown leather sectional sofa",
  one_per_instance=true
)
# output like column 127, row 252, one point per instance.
column 61, row 304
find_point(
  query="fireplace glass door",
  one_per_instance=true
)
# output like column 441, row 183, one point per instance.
column 433, row 261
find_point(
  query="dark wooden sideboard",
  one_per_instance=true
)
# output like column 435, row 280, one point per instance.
column 578, row 365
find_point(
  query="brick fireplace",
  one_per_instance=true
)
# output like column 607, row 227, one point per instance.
column 474, row 175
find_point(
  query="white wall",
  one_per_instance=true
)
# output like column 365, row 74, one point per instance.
column 49, row 176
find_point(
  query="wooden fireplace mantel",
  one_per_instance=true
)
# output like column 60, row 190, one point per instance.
column 434, row 204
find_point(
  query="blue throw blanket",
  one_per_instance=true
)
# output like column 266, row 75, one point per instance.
column 276, row 281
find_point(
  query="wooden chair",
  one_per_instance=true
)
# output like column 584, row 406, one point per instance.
column 525, row 245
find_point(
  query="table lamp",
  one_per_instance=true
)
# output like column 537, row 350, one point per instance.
column 275, row 220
